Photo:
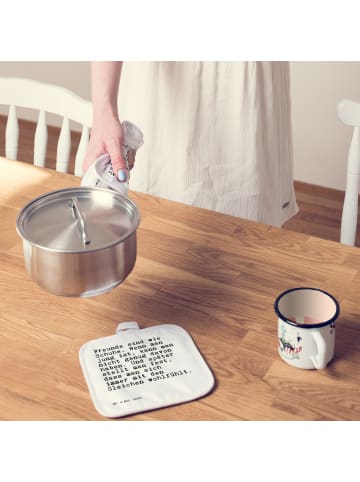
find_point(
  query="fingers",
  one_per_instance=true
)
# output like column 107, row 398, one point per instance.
column 109, row 141
column 118, row 162
column 90, row 157
column 119, row 167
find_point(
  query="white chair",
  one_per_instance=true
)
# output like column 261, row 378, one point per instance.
column 19, row 92
column 349, row 114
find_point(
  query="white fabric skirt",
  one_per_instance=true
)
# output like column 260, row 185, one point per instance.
column 217, row 135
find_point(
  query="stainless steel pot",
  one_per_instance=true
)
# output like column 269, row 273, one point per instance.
column 79, row 241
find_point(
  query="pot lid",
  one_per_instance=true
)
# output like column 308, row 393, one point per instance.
column 78, row 219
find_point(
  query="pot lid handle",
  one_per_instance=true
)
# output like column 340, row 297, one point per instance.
column 74, row 204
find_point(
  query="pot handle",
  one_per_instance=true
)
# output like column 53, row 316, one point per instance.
column 77, row 213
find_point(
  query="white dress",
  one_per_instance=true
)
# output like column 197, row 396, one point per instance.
column 216, row 135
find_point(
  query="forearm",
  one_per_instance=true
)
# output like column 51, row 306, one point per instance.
column 105, row 79
column 106, row 132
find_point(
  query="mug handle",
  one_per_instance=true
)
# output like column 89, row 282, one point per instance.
column 319, row 359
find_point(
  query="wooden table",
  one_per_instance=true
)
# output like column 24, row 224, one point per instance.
column 216, row 276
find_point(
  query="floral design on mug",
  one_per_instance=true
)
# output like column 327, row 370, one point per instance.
column 289, row 347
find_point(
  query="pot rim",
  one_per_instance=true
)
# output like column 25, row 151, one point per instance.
column 69, row 189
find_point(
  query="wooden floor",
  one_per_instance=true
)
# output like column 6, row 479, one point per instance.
column 320, row 208
column 320, row 212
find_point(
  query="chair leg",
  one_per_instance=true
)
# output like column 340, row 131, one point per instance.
column 63, row 147
column 350, row 207
column 80, row 154
column 12, row 134
column 350, row 211
column 40, row 140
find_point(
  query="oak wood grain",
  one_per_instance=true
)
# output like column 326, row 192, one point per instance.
column 216, row 276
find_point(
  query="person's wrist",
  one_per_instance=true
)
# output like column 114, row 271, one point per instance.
column 106, row 110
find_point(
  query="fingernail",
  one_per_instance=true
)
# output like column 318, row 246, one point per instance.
column 121, row 175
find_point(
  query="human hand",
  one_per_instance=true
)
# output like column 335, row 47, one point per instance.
column 107, row 136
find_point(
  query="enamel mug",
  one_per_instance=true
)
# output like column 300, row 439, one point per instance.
column 306, row 327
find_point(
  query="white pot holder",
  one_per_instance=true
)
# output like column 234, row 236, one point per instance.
column 143, row 369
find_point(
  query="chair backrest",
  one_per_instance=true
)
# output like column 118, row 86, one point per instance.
column 19, row 92
column 349, row 114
